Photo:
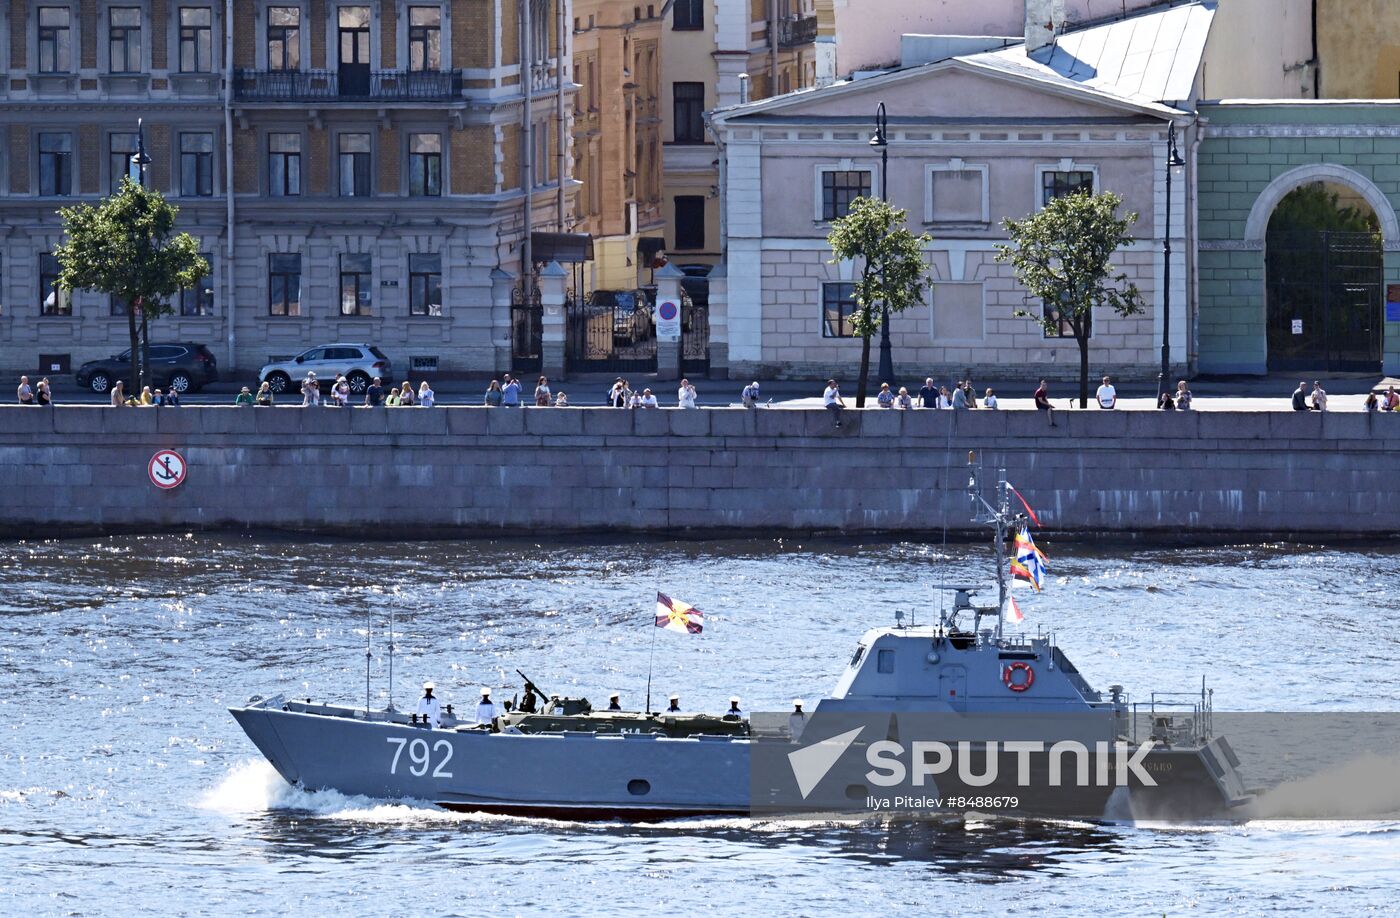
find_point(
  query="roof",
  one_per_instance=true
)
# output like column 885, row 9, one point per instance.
column 1145, row 62
column 1150, row 57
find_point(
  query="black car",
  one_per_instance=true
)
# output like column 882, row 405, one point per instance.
column 183, row 367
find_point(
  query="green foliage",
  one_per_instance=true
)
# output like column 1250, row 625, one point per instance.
column 1314, row 207
column 1063, row 255
column 126, row 246
column 893, row 273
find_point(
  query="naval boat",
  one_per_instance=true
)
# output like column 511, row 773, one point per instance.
column 940, row 719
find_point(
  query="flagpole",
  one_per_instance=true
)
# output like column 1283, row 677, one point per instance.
column 650, row 655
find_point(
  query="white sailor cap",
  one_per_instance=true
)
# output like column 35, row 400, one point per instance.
column 673, row 698
column 485, row 692
column 427, row 686
column 797, row 702
column 733, row 699
column 616, row 695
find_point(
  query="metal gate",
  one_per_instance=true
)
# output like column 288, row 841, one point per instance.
column 526, row 323
column 695, row 337
column 1324, row 299
column 612, row 331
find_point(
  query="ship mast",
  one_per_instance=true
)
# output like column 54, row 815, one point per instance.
column 1000, row 518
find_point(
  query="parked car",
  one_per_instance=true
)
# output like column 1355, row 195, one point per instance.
column 359, row 363
column 184, row 367
column 696, row 283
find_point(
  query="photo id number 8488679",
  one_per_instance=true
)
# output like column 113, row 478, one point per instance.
column 420, row 757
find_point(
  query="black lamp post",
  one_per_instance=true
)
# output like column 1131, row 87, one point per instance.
column 139, row 159
column 880, row 142
column 1174, row 164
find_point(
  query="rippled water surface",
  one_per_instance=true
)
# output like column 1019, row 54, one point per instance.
column 126, row 787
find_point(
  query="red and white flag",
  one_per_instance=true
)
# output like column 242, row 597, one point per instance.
column 1013, row 611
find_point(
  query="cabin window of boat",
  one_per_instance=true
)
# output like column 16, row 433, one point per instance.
column 884, row 662
column 860, row 652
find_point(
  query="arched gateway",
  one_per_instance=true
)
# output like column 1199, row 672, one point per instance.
column 1299, row 242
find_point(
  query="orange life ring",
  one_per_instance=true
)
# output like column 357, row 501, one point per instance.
column 1008, row 676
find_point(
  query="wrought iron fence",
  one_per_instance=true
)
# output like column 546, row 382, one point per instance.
column 326, row 85
column 797, row 30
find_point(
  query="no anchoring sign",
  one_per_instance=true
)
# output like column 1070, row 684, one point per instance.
column 167, row 469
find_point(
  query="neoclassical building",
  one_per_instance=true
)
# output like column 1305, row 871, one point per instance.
column 355, row 170
column 972, row 138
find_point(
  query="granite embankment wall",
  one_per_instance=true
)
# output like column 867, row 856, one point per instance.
column 477, row 471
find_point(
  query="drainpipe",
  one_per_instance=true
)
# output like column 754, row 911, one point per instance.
column 772, row 48
column 230, row 315
column 559, row 116
column 527, row 161
column 1193, row 244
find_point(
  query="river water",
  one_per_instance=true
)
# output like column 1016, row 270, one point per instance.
column 125, row 787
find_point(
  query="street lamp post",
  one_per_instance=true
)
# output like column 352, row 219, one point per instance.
column 880, row 141
column 1174, row 164
column 139, row 159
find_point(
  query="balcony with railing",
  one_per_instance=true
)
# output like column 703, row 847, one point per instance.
column 347, row 85
column 797, row 30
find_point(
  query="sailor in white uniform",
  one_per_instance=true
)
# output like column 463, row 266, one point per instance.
column 429, row 708
column 486, row 711
column 734, row 712
column 797, row 721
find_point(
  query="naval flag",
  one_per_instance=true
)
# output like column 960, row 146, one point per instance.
column 1013, row 611
column 674, row 615
column 1028, row 564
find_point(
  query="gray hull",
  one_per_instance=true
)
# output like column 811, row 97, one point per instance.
column 637, row 777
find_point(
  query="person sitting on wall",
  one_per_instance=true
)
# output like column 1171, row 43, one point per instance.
column 1300, row 397
column 1042, row 401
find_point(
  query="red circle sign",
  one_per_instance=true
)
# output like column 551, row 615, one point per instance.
column 167, row 469
column 668, row 310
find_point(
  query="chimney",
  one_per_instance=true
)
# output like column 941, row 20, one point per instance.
column 1040, row 23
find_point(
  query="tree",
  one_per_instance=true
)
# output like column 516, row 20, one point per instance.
column 893, row 272
column 126, row 246
column 1063, row 256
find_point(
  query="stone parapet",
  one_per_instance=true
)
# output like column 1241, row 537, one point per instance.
column 471, row 471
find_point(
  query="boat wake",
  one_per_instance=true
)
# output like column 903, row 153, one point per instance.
column 254, row 786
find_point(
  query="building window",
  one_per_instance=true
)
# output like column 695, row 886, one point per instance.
column 199, row 299
column 957, row 193
column 120, row 148
column 838, row 304
column 284, row 38
column 425, row 165
column 53, row 300
column 1055, row 184
column 840, row 188
column 354, row 165
column 690, row 221
column 284, row 285
column 124, row 40
column 117, row 305
column 55, row 164
column 284, row 165
column 55, row 40
column 1063, row 329
column 196, row 39
column 356, row 294
column 689, row 112
column 424, row 38
column 425, row 285
column 196, row 165
column 690, row 15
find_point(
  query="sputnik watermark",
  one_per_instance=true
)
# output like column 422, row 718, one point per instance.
column 1066, row 763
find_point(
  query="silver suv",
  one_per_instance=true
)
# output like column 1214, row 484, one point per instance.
column 359, row 363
